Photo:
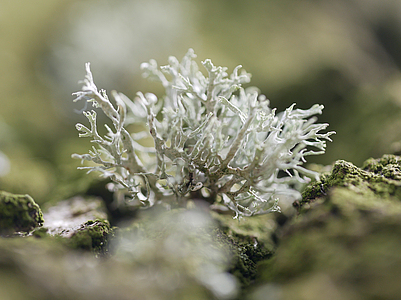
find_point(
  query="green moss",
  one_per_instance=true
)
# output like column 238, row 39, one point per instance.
column 245, row 251
column 40, row 233
column 18, row 213
column 350, row 239
column 92, row 236
column 249, row 241
column 259, row 226
column 248, row 252
column 345, row 239
column 378, row 177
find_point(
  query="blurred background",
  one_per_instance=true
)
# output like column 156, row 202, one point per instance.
column 344, row 54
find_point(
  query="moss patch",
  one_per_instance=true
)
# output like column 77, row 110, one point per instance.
column 345, row 241
column 91, row 236
column 350, row 240
column 18, row 213
column 247, row 253
column 378, row 177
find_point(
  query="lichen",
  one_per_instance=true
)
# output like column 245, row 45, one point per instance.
column 209, row 135
column 18, row 213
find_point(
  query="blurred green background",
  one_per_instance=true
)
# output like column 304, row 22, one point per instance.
column 345, row 54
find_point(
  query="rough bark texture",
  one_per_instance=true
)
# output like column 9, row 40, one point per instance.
column 344, row 244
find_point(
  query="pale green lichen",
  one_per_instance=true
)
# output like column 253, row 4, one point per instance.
column 210, row 135
column 18, row 213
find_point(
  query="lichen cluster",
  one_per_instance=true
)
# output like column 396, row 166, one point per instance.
column 209, row 134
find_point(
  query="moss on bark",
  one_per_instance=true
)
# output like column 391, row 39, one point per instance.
column 18, row 213
column 378, row 177
column 345, row 242
column 91, row 236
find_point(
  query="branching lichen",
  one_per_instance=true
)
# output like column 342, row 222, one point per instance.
column 209, row 134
